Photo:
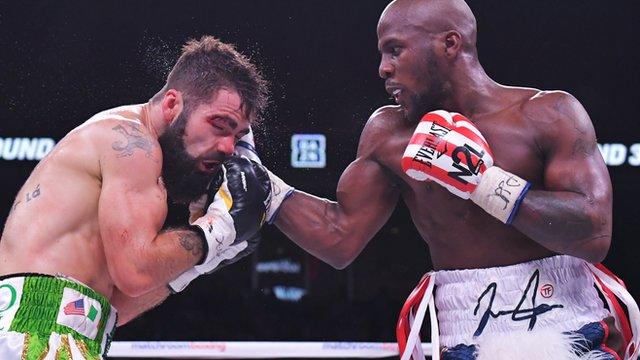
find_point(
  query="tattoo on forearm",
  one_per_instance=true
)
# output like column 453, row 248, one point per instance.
column 192, row 243
column 135, row 138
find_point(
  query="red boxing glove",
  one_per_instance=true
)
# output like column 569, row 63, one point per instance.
column 448, row 149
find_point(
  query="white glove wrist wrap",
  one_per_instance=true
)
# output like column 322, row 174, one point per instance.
column 280, row 191
column 500, row 193
column 219, row 231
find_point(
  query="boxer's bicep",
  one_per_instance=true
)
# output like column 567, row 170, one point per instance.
column 574, row 164
column 132, row 205
column 571, row 212
column 337, row 231
column 573, row 161
column 366, row 198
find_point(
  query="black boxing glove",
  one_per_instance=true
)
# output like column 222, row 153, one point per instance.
column 250, row 186
column 236, row 209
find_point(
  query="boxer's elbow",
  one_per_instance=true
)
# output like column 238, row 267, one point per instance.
column 134, row 286
column 598, row 242
column 595, row 249
column 341, row 261
column 346, row 240
column 595, row 245
column 131, row 281
column 338, row 251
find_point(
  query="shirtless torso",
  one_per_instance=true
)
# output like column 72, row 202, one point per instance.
column 461, row 235
column 55, row 222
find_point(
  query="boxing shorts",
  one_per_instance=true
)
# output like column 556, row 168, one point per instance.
column 542, row 309
column 47, row 317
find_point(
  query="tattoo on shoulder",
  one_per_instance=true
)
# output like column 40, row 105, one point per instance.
column 581, row 149
column 560, row 107
column 134, row 139
column 192, row 243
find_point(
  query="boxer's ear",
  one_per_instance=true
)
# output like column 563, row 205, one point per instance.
column 172, row 105
column 452, row 41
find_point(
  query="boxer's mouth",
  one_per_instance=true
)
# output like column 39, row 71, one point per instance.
column 394, row 91
column 395, row 95
column 209, row 166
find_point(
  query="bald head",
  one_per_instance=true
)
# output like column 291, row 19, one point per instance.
column 432, row 17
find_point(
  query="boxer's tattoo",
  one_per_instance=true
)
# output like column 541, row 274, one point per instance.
column 15, row 205
column 192, row 243
column 562, row 107
column 134, row 139
column 34, row 194
column 581, row 149
column 31, row 195
column 519, row 313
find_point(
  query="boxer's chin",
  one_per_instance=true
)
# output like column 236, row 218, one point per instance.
column 186, row 187
column 182, row 178
column 413, row 114
column 418, row 106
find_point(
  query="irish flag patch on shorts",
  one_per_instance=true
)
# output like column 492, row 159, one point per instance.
column 80, row 313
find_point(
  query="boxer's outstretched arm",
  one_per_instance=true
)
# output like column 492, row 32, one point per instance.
column 337, row 231
column 573, row 214
column 132, row 209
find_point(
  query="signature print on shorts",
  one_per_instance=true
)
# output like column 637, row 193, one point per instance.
column 519, row 313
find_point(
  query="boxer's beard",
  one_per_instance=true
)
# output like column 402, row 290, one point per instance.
column 182, row 178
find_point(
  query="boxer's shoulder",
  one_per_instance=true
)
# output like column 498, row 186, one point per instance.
column 383, row 122
column 380, row 127
column 555, row 114
column 387, row 115
column 547, row 107
column 120, row 133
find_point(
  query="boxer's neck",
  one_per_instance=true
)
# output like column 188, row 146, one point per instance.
column 153, row 118
column 473, row 92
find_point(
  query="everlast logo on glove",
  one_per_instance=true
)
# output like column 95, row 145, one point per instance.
column 430, row 140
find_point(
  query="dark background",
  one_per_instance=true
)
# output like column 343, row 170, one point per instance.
column 62, row 61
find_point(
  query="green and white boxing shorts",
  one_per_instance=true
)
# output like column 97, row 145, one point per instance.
column 52, row 318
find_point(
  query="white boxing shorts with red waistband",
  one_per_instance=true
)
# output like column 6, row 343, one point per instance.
column 542, row 309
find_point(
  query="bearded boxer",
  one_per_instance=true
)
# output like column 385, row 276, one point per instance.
column 514, row 201
column 85, row 237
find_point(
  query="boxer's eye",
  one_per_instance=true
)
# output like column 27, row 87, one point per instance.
column 216, row 125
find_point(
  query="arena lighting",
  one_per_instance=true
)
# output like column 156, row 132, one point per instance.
column 288, row 293
column 308, row 150
column 22, row 148
column 616, row 154
column 285, row 266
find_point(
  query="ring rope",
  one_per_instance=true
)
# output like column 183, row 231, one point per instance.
column 254, row 349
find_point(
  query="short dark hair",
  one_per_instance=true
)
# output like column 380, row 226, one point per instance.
column 208, row 64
